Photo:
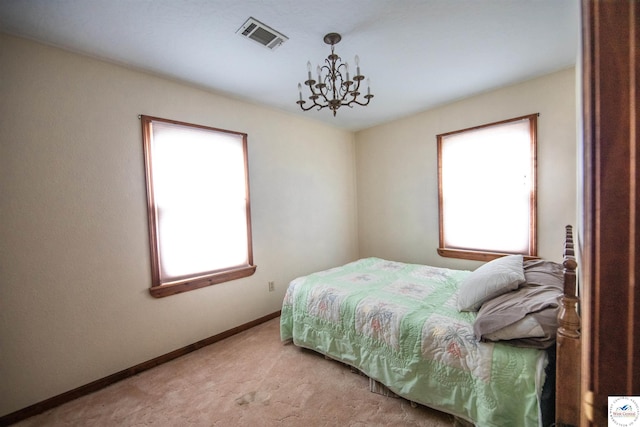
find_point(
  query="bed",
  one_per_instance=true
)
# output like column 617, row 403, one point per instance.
column 478, row 345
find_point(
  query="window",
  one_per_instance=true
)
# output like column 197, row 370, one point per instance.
column 198, row 205
column 487, row 190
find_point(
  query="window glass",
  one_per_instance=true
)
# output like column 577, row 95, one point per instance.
column 487, row 189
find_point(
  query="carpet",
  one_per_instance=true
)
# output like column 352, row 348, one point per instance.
column 249, row 379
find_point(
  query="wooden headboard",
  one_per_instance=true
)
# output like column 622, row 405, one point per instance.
column 568, row 343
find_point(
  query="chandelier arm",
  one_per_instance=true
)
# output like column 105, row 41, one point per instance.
column 314, row 96
column 303, row 108
column 360, row 103
column 313, row 92
column 356, row 90
column 355, row 99
column 313, row 105
column 346, row 84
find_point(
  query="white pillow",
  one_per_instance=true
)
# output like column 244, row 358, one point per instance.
column 490, row 280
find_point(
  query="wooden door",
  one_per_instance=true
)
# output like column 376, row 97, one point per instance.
column 610, row 238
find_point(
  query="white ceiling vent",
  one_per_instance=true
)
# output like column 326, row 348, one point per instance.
column 258, row 32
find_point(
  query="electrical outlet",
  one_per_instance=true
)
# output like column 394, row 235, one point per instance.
column 272, row 286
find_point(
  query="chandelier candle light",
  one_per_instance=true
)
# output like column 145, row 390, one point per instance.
column 334, row 89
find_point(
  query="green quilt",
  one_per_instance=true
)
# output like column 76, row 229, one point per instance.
column 398, row 323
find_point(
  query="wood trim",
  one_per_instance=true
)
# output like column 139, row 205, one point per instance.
column 533, row 196
column 515, row 119
column 476, row 255
column 94, row 386
column 611, row 64
column 197, row 283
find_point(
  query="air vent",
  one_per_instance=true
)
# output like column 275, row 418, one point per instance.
column 260, row 33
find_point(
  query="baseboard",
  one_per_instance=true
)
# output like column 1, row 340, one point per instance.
column 94, row 386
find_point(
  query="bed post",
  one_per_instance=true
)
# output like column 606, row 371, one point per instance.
column 568, row 343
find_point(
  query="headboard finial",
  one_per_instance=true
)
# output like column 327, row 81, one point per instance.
column 568, row 318
column 568, row 350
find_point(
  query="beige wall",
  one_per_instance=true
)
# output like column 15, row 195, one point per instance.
column 74, row 261
column 397, row 170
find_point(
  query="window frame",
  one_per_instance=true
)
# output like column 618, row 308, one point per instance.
column 193, row 281
column 486, row 255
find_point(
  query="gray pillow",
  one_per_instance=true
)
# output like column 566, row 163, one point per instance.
column 490, row 280
column 535, row 302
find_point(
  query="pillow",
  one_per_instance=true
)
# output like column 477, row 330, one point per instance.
column 528, row 326
column 512, row 317
column 490, row 280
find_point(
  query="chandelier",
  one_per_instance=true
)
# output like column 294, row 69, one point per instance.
column 334, row 88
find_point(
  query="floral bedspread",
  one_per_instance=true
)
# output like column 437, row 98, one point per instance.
column 398, row 323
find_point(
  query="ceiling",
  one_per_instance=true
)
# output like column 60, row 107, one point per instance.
column 418, row 53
